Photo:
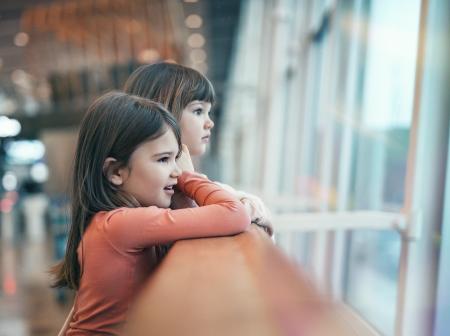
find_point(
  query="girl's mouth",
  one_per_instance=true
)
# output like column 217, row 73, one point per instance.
column 169, row 189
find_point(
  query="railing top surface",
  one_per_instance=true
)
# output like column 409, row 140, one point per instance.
column 240, row 285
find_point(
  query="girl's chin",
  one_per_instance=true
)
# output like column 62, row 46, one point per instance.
column 198, row 151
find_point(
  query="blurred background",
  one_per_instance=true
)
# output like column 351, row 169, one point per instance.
column 325, row 108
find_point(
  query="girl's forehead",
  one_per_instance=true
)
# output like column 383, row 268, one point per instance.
column 198, row 102
column 165, row 142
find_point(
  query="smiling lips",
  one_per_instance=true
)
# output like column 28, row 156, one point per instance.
column 169, row 189
column 205, row 139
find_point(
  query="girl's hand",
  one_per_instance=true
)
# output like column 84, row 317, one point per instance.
column 258, row 213
column 184, row 162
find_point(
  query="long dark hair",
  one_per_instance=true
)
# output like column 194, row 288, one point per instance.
column 170, row 84
column 114, row 126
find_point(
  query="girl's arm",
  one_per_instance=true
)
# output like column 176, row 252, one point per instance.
column 65, row 326
column 255, row 207
column 219, row 214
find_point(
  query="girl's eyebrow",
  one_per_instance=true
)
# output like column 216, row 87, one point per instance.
column 196, row 102
column 163, row 153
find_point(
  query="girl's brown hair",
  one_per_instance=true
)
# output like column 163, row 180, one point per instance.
column 114, row 126
column 170, row 84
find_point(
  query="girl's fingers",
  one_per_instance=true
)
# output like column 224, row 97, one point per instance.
column 184, row 161
column 185, row 149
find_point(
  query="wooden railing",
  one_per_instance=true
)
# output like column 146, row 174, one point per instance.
column 235, row 286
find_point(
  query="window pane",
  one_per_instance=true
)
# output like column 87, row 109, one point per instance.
column 372, row 277
column 379, row 150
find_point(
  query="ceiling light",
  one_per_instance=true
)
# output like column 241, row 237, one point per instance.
column 9, row 127
column 148, row 56
column 198, row 55
column 25, row 151
column 193, row 21
column 39, row 172
column 18, row 76
column 201, row 67
column 21, row 39
column 196, row 40
column 9, row 181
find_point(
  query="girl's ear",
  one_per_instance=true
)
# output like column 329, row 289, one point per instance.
column 112, row 171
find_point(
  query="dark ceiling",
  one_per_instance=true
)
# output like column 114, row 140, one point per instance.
column 66, row 87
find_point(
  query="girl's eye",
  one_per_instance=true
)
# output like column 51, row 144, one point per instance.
column 164, row 159
column 198, row 111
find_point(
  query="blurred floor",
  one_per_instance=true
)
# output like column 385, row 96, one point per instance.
column 28, row 306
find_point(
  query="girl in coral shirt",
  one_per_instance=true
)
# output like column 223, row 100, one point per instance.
column 128, row 163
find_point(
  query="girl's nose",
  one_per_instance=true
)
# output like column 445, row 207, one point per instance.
column 209, row 123
column 176, row 172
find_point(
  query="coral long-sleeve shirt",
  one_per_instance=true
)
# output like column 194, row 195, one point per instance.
column 116, row 253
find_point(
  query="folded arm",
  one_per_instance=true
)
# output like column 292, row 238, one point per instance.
column 219, row 214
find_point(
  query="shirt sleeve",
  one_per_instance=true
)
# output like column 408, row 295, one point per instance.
column 219, row 214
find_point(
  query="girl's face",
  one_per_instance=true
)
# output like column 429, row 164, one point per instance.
column 152, row 171
column 196, row 126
